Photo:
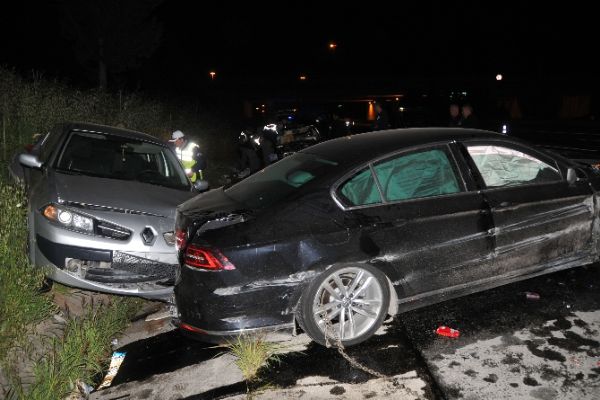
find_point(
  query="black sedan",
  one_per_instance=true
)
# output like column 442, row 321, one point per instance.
column 342, row 234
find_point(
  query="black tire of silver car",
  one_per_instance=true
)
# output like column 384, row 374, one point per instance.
column 350, row 301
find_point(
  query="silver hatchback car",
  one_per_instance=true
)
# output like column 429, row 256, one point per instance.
column 101, row 209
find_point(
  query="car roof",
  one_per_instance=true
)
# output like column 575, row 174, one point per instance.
column 111, row 130
column 365, row 146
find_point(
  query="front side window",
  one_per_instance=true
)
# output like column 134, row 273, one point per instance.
column 115, row 157
column 46, row 146
column 501, row 166
column 422, row 174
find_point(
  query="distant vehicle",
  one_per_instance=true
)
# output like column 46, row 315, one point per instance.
column 295, row 139
column 341, row 234
column 102, row 207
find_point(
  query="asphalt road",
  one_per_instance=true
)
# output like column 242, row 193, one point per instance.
column 510, row 347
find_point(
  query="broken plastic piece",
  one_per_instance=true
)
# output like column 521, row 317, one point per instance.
column 447, row 331
column 115, row 363
column 84, row 388
column 532, row 296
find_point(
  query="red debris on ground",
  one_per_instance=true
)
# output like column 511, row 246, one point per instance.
column 447, row 331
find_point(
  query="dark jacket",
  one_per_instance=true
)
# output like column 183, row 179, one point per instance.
column 470, row 122
column 455, row 122
column 381, row 121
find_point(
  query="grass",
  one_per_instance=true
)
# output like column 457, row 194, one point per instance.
column 84, row 351
column 21, row 303
column 252, row 354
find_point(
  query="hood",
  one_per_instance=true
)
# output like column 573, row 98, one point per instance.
column 114, row 193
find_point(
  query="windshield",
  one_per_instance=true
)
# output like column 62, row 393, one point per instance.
column 114, row 157
column 279, row 180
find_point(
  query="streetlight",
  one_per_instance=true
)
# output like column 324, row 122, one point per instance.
column 212, row 75
column 499, row 77
column 332, row 46
column 302, row 77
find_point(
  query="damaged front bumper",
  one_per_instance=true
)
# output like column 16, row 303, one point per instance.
column 106, row 271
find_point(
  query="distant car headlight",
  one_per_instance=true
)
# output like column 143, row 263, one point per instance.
column 68, row 219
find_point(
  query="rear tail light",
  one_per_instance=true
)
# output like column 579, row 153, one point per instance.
column 180, row 238
column 206, row 258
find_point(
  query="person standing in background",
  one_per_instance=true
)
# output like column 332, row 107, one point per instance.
column 455, row 118
column 469, row 119
column 189, row 155
column 381, row 119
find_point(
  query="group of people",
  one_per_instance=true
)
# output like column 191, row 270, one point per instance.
column 462, row 117
column 256, row 151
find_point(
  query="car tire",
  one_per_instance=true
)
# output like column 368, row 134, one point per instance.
column 354, row 298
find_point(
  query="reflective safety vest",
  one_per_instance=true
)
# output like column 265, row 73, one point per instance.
column 186, row 156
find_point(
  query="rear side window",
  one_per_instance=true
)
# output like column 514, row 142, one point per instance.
column 360, row 190
column 416, row 175
column 501, row 166
column 407, row 176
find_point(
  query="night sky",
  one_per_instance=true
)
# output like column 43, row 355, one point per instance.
column 247, row 41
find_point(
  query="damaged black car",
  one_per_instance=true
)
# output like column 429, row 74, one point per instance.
column 342, row 234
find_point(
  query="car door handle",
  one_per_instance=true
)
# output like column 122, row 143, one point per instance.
column 504, row 204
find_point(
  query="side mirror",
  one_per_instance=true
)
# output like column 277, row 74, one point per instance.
column 30, row 161
column 201, row 185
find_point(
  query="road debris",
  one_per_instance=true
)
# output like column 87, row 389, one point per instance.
column 532, row 296
column 447, row 331
column 115, row 363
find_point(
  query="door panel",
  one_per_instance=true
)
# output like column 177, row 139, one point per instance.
column 540, row 220
column 416, row 216
column 433, row 243
column 540, row 225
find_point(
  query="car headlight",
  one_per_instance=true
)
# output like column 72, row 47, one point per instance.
column 68, row 219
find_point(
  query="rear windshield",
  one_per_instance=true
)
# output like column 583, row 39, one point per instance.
column 279, row 180
column 115, row 157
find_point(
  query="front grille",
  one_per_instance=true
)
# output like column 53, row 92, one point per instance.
column 151, row 269
column 112, row 231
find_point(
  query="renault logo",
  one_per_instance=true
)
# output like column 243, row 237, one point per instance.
column 148, row 236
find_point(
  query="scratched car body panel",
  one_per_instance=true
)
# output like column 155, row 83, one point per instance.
column 122, row 187
column 439, row 212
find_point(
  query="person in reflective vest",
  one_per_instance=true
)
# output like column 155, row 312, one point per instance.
column 189, row 155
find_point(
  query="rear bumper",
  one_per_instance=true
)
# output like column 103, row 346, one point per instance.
column 211, row 304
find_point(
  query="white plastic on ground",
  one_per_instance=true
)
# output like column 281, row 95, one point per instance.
column 115, row 364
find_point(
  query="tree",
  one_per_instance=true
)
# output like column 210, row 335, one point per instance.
column 110, row 37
